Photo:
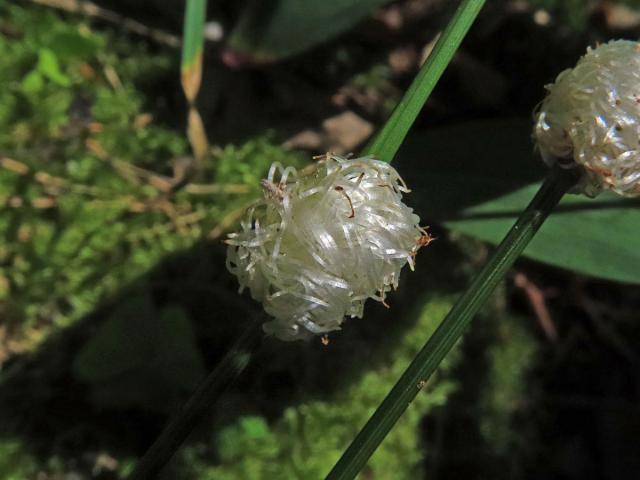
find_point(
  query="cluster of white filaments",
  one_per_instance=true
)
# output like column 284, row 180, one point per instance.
column 317, row 246
column 591, row 117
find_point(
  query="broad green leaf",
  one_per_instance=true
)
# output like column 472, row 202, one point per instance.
column 274, row 29
column 477, row 178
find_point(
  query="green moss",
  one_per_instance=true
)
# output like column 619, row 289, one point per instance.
column 306, row 440
column 15, row 463
column 85, row 219
column 507, row 389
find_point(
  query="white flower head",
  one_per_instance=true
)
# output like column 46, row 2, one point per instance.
column 317, row 246
column 591, row 116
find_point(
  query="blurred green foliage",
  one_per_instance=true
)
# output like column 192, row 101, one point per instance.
column 309, row 437
column 141, row 357
column 574, row 13
column 377, row 81
column 15, row 463
column 86, row 210
column 507, row 388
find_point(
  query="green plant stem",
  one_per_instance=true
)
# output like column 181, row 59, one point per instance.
column 193, row 33
column 387, row 142
column 451, row 328
column 200, row 402
column 384, row 146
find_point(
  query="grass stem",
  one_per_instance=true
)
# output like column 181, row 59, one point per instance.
column 387, row 142
column 201, row 401
column 452, row 327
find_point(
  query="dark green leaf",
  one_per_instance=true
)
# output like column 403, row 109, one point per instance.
column 141, row 357
column 597, row 237
column 274, row 29
column 476, row 178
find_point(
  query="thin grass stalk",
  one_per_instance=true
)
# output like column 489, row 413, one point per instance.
column 387, row 142
column 199, row 404
column 384, row 146
column 450, row 330
column 191, row 74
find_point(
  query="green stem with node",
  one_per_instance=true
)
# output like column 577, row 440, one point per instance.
column 450, row 330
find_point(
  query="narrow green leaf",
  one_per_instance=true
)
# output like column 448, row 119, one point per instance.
column 193, row 32
column 192, row 46
column 597, row 237
column 388, row 141
column 191, row 70
column 270, row 30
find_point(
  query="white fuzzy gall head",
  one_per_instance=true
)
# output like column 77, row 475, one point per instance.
column 317, row 246
column 591, row 115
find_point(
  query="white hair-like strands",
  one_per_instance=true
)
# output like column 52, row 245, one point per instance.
column 317, row 246
column 591, row 117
